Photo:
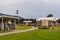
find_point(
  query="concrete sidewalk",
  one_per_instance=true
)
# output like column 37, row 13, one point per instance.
column 17, row 31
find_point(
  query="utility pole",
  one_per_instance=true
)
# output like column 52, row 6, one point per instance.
column 17, row 12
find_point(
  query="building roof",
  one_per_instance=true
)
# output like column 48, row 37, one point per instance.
column 12, row 16
column 47, row 18
column 27, row 21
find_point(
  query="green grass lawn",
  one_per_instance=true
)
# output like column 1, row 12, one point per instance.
column 2, row 31
column 23, row 27
column 17, row 28
column 34, row 35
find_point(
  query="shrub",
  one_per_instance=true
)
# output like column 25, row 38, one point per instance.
column 42, row 27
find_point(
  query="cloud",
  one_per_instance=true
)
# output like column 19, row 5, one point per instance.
column 13, row 1
column 41, row 8
column 30, row 8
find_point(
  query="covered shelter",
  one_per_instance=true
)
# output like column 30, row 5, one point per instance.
column 8, row 22
column 27, row 23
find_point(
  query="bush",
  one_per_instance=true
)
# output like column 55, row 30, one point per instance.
column 42, row 27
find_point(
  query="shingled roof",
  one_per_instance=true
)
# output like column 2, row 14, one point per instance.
column 1, row 14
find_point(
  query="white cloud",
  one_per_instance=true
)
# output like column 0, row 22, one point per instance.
column 5, row 2
column 9, row 2
column 51, row 1
column 30, row 7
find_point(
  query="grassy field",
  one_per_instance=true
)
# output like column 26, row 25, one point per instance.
column 34, row 35
column 17, row 28
column 2, row 31
column 23, row 27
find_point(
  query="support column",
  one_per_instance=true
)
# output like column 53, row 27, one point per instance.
column 18, row 21
column 15, row 24
column 2, row 28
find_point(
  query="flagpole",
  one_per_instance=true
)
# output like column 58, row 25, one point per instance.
column 18, row 15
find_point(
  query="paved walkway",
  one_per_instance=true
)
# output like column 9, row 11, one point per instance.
column 17, row 31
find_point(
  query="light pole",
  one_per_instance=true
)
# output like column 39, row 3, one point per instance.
column 17, row 12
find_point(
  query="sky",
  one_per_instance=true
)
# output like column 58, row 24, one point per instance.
column 31, row 8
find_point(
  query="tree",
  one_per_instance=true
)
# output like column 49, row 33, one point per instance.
column 58, row 20
column 50, row 15
column 33, row 20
